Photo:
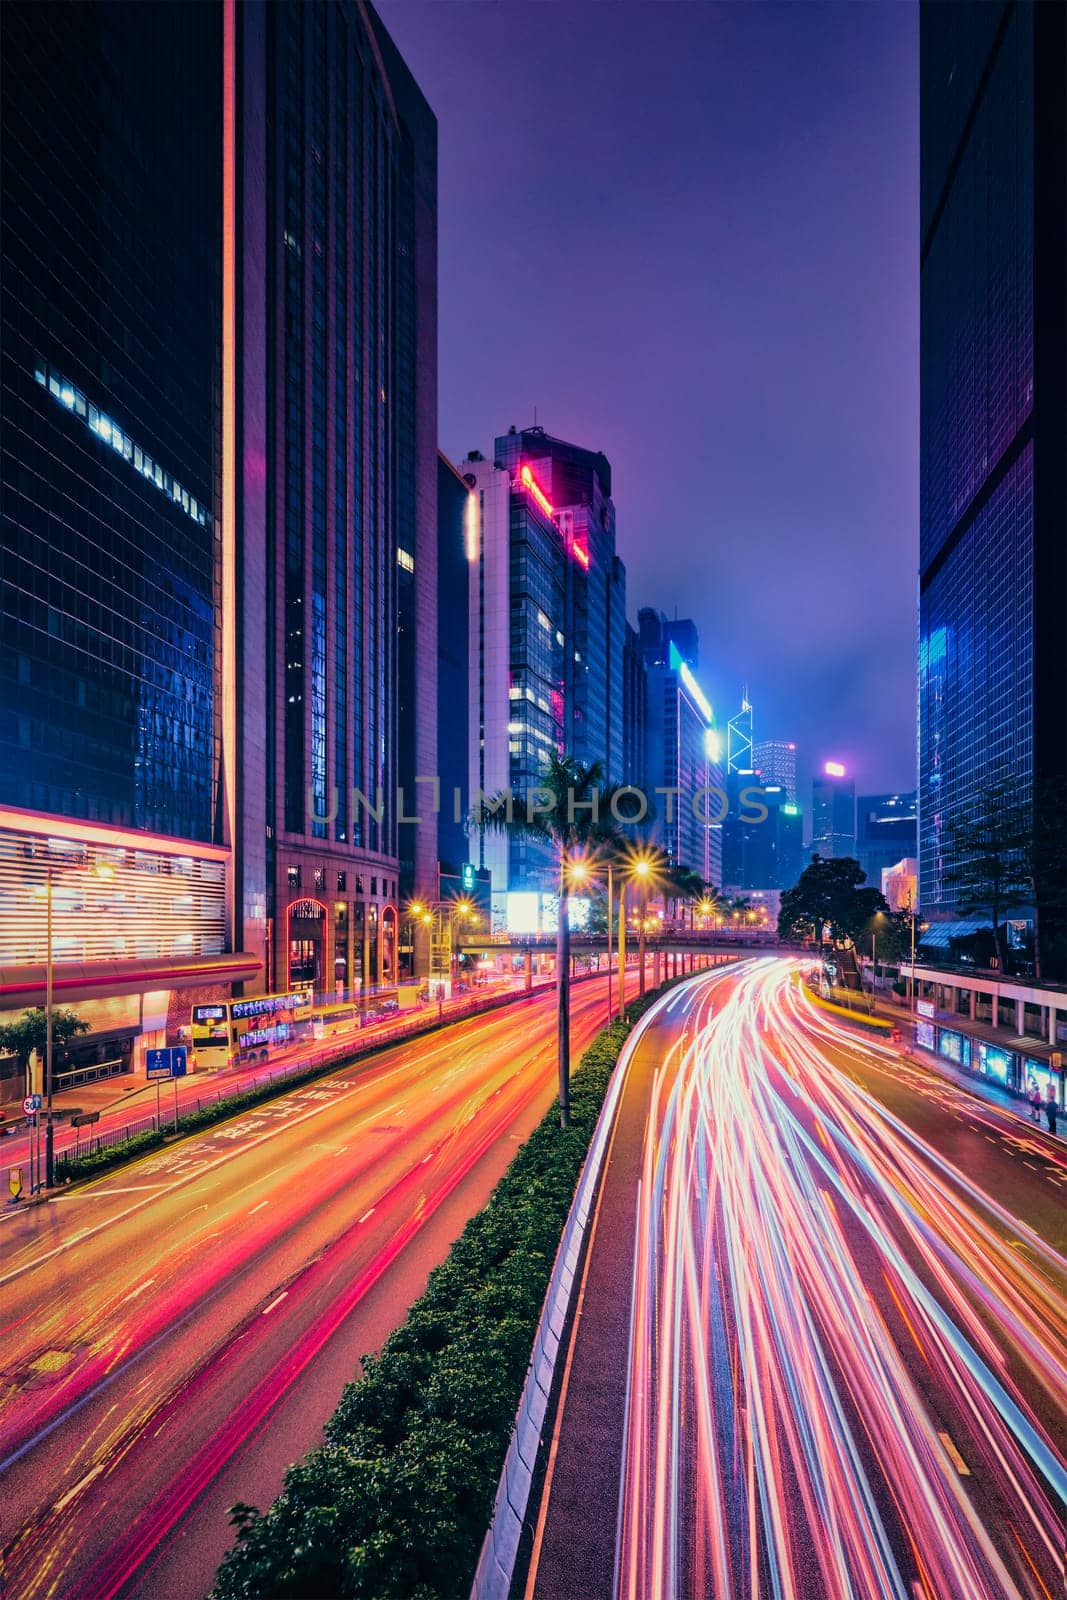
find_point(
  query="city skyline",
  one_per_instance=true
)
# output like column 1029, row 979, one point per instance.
column 700, row 347
column 511, row 1083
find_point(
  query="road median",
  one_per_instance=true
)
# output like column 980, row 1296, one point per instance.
column 398, row 1498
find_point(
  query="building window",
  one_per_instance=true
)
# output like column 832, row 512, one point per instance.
column 359, row 883
column 111, row 434
column 320, row 877
column 342, row 882
column 374, row 886
column 294, row 878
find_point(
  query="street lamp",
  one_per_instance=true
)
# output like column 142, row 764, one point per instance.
column 103, row 869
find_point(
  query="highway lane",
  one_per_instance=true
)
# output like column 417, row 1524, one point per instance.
column 846, row 1365
column 130, row 1101
column 154, row 1323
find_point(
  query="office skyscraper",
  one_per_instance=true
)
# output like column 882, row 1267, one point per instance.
column 775, row 762
column 993, row 559
column 682, row 749
column 833, row 812
column 219, row 500
column 455, row 528
column 333, row 200
column 885, row 832
column 111, row 692
column 547, row 631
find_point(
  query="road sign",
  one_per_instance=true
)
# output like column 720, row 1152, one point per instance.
column 84, row 1119
column 31, row 1104
column 14, row 1182
column 159, row 1064
column 179, row 1057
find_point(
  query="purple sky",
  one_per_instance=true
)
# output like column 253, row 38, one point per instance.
column 687, row 234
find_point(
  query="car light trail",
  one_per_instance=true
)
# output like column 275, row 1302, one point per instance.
column 842, row 1367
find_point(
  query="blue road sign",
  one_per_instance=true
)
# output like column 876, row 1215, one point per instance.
column 159, row 1064
column 179, row 1058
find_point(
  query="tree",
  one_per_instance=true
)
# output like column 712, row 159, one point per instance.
column 30, row 1032
column 570, row 810
column 685, row 886
column 991, row 846
column 891, row 933
column 830, row 892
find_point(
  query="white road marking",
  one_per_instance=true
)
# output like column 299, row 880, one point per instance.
column 140, row 1289
column 367, row 1214
column 277, row 1302
column 254, row 1209
column 954, row 1456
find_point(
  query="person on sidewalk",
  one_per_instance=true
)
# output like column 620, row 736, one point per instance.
column 1035, row 1101
column 1051, row 1109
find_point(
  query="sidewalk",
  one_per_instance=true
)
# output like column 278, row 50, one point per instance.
column 975, row 1083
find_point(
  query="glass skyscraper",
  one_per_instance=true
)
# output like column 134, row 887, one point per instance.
column 334, row 213
column 111, row 722
column 993, row 579
column 547, row 631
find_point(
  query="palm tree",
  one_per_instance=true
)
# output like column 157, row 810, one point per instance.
column 686, row 886
column 562, row 817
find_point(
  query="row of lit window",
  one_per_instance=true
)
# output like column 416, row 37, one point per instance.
column 295, row 875
column 110, row 433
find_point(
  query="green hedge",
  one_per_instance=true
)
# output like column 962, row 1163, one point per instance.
column 396, row 1502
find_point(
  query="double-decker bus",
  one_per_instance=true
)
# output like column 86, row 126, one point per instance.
column 232, row 1032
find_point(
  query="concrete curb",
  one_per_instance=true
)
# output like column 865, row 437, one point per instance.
column 496, row 1563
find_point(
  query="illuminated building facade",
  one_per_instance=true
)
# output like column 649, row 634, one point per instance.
column 455, row 529
column 775, row 760
column 993, row 377
column 111, row 737
column 833, row 812
column 682, row 751
column 334, row 204
column 547, row 629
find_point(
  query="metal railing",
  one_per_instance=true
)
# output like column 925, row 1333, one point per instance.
column 93, row 1074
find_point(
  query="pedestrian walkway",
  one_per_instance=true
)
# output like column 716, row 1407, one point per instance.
column 994, row 1093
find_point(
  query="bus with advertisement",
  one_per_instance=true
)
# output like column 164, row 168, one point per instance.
column 230, row 1033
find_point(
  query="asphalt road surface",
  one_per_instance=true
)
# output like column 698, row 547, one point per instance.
column 176, row 1333
column 822, row 1344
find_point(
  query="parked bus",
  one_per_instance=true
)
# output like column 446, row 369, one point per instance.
column 233, row 1032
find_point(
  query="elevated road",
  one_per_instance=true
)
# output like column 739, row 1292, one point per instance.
column 822, row 1335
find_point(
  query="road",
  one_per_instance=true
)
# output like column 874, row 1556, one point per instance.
column 823, row 1336
column 129, row 1102
column 176, row 1333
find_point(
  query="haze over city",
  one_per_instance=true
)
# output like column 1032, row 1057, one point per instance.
column 718, row 292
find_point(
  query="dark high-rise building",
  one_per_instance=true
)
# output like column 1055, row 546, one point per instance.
column 760, row 852
column 547, row 632
column 634, row 713
column 885, row 832
column 334, row 221
column 993, row 558
column 833, row 812
column 455, row 533
column 682, row 761
column 112, row 782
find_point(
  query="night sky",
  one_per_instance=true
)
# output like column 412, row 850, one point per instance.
column 687, row 235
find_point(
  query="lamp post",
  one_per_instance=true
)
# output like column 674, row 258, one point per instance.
column 642, row 871
column 611, row 880
column 101, row 870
